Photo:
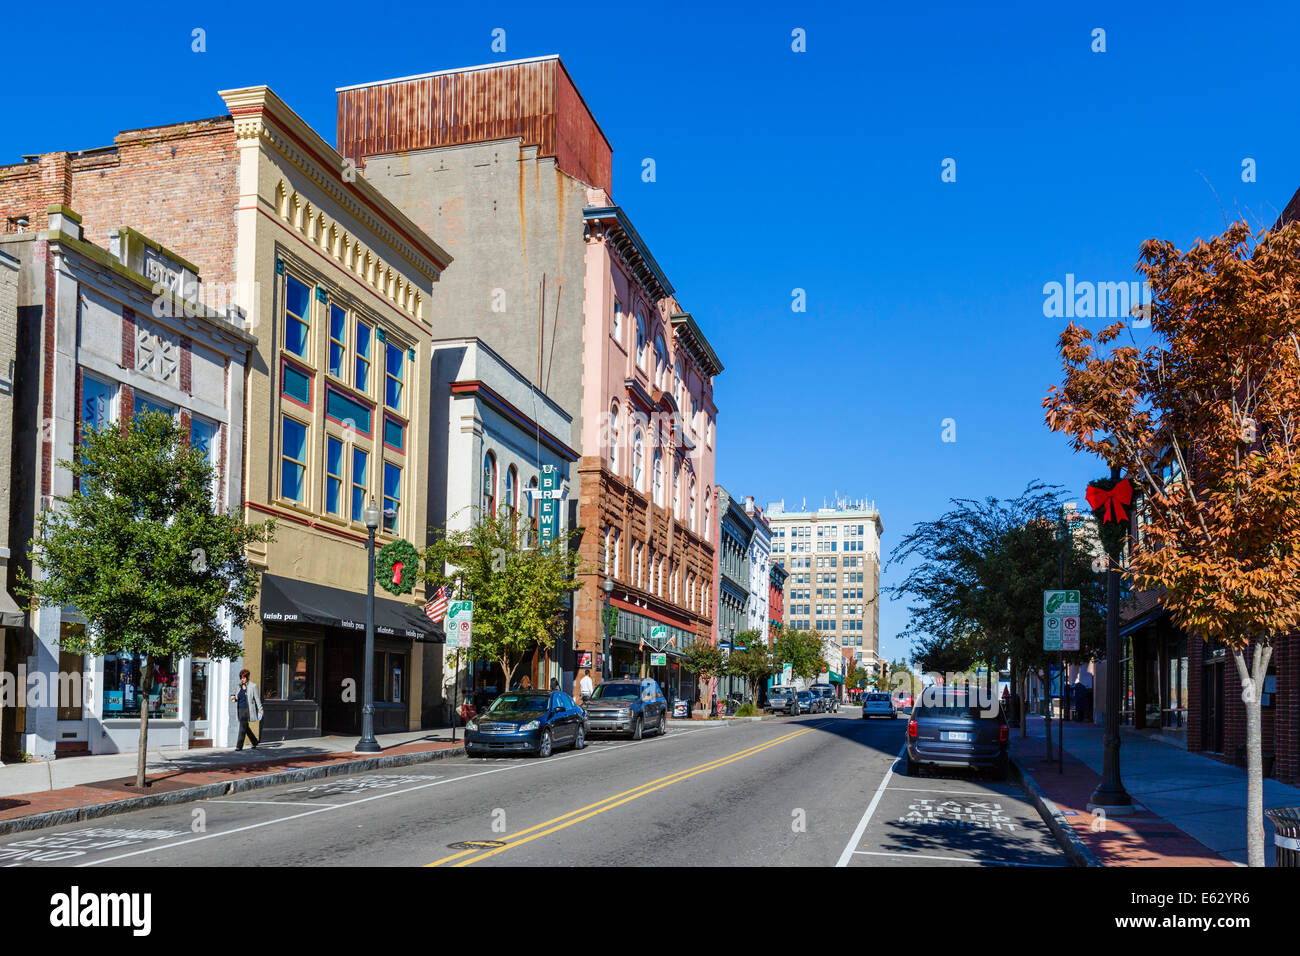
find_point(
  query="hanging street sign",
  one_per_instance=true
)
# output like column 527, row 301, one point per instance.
column 460, row 624
column 1060, row 620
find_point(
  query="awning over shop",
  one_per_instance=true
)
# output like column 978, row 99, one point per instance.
column 835, row 678
column 10, row 614
column 287, row 601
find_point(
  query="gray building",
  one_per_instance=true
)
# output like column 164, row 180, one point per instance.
column 735, row 531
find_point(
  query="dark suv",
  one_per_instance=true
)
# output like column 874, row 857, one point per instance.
column 950, row 730
column 830, row 699
column 633, row 706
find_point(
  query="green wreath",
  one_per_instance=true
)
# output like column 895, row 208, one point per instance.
column 397, row 566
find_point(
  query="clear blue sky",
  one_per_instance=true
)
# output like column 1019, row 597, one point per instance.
column 819, row 170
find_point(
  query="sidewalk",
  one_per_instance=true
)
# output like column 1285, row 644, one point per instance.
column 1191, row 808
column 76, row 788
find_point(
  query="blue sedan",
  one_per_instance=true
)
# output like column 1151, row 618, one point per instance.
column 528, row 722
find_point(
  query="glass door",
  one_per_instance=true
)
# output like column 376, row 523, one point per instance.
column 200, row 726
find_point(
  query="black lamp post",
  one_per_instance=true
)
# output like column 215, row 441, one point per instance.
column 368, row 744
column 1110, row 796
column 605, row 634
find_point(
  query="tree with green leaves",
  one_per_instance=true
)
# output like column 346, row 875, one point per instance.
column 978, row 581
column 754, row 664
column 142, row 555
column 705, row 661
column 804, row 651
column 518, row 592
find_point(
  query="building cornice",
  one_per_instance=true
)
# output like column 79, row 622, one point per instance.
column 611, row 224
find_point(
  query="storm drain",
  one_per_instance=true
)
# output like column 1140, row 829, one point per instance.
column 476, row 845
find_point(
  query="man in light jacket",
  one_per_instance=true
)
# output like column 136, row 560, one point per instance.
column 248, row 707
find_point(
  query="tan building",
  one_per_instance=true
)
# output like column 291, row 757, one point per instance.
column 832, row 558
column 335, row 283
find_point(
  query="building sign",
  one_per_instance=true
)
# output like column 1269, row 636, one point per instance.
column 584, row 660
column 1060, row 620
column 659, row 635
column 658, row 660
column 460, row 624
column 548, row 506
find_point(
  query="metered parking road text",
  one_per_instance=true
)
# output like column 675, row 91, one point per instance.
column 951, row 813
column 66, row 846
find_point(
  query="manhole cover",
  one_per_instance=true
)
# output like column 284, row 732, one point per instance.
column 476, row 845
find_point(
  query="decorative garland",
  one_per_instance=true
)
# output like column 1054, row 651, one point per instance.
column 397, row 566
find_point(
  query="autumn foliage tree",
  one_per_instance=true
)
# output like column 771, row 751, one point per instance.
column 1205, row 420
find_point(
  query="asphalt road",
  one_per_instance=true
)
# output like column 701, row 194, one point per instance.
column 817, row 790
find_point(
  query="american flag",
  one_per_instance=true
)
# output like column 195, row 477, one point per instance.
column 437, row 608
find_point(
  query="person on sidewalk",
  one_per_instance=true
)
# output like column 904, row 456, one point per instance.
column 585, row 685
column 248, row 708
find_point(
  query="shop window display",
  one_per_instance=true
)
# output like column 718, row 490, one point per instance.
column 123, row 688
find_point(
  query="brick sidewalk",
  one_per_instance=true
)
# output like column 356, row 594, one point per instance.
column 1139, row 839
column 175, row 782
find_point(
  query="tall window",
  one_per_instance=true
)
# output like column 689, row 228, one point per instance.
column 661, row 364
column 708, row 514
column 690, row 516
column 293, row 460
column 677, row 492
column 365, row 335
column 658, row 478
column 333, row 476
column 618, row 320
column 392, row 495
column 338, row 340
column 489, row 500
column 393, row 377
column 360, row 464
column 96, row 403
column 679, row 382
column 297, row 319
column 512, row 490
column 638, row 462
column 533, row 502
column 640, row 342
column 613, row 438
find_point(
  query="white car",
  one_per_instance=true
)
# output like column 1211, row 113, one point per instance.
column 878, row 705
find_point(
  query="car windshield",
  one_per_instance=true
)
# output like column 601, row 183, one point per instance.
column 804, row 693
column 617, row 692
column 520, row 704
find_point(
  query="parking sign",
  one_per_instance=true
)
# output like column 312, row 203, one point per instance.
column 460, row 624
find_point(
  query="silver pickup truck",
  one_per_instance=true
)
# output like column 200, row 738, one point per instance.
column 784, row 700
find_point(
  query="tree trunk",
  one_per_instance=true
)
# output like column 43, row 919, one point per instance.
column 1024, row 705
column 1252, row 686
column 146, row 674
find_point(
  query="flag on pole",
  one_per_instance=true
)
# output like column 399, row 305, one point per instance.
column 436, row 609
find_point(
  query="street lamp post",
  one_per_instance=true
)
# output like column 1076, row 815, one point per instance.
column 604, row 631
column 1110, row 796
column 367, row 744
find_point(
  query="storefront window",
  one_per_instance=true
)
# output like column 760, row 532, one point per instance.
column 272, row 663
column 302, row 672
column 390, row 677
column 123, row 688
column 288, row 670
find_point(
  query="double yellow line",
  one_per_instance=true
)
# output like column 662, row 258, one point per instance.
column 609, row 803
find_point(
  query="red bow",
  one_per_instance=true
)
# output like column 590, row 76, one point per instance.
column 1113, row 500
column 397, row 573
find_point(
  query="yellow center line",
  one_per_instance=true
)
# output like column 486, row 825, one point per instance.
column 592, row 806
column 609, row 803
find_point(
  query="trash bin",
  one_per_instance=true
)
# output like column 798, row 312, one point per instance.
column 1286, row 841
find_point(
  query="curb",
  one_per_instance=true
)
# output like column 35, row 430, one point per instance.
column 1075, row 849
column 50, row 818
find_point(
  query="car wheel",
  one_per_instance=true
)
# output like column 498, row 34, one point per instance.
column 637, row 729
column 580, row 741
column 663, row 726
column 544, row 744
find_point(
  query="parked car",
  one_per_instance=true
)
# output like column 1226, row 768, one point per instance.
column 630, row 707
column 830, row 699
column 878, row 705
column 529, row 722
column 952, row 731
column 784, row 699
column 903, row 701
column 806, row 702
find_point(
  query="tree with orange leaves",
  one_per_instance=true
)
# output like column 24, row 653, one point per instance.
column 1205, row 419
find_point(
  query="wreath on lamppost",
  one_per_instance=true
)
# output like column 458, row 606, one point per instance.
column 1109, row 498
column 397, row 567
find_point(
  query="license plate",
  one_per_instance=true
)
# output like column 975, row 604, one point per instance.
column 956, row 736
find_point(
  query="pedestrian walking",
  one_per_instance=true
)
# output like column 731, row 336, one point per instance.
column 248, row 708
column 585, row 685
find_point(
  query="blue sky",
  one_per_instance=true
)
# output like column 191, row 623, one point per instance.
column 819, row 170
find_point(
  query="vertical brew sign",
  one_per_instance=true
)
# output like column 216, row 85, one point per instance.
column 548, row 507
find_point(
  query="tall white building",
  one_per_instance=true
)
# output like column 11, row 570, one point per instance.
column 832, row 558
column 760, row 570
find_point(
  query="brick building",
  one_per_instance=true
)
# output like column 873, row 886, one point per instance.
column 335, row 284
column 506, row 166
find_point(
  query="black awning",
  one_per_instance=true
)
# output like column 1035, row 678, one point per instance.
column 287, row 601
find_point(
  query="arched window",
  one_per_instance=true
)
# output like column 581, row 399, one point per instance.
column 708, row 513
column 677, row 492
column 512, row 490
column 690, row 517
column 640, row 342
column 613, row 438
column 679, row 385
column 638, row 462
column 489, row 504
column 661, row 364
column 658, row 478
column 533, row 502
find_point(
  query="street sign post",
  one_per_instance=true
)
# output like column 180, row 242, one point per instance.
column 658, row 660
column 460, row 624
column 1060, row 620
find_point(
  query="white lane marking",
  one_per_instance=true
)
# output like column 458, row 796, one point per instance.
column 953, row 859
column 378, row 796
column 866, row 817
column 966, row 793
column 284, row 803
